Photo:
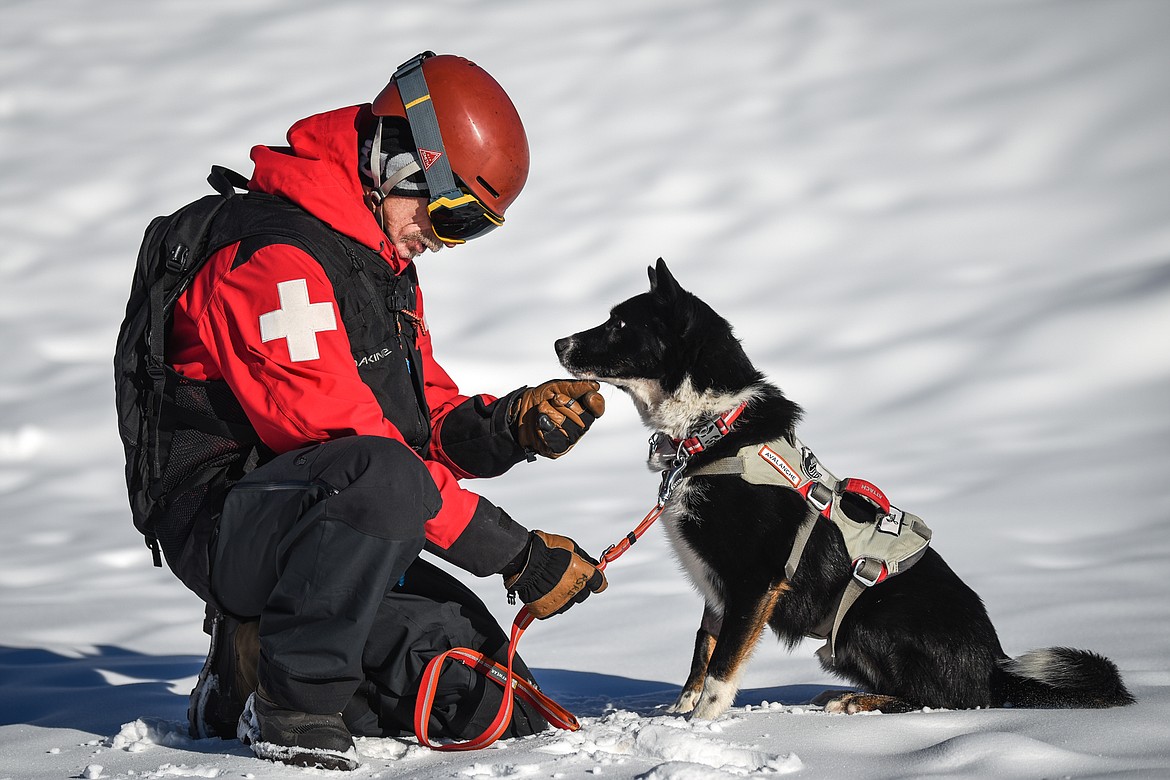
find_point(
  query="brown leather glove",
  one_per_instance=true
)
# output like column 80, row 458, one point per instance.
column 550, row 418
column 556, row 575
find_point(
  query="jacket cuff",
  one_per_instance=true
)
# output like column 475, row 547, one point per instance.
column 477, row 439
column 490, row 542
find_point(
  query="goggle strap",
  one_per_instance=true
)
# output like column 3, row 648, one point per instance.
column 376, row 158
column 424, row 125
column 406, row 170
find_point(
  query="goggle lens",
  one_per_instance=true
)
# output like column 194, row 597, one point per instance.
column 457, row 217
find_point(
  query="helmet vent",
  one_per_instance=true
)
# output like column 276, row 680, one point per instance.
column 487, row 186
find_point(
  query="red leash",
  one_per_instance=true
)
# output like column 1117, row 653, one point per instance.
column 503, row 676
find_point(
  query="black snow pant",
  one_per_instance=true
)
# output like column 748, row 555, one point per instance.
column 322, row 545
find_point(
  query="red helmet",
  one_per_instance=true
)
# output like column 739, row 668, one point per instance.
column 484, row 138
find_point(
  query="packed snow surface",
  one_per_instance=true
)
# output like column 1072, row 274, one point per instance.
column 942, row 228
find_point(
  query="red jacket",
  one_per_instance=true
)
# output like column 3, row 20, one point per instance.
column 301, row 385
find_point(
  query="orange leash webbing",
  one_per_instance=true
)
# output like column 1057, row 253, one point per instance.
column 554, row 713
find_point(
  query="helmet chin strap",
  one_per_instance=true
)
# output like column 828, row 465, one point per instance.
column 374, row 200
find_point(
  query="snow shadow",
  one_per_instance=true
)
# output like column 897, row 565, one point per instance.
column 589, row 694
column 96, row 692
column 99, row 691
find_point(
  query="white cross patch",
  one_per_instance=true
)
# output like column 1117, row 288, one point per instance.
column 297, row 320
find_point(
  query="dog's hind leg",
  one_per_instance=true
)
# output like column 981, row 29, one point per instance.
column 705, row 639
column 852, row 702
column 743, row 622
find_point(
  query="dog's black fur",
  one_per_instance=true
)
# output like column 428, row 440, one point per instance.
column 918, row 639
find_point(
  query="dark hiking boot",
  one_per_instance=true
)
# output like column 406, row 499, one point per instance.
column 227, row 678
column 296, row 738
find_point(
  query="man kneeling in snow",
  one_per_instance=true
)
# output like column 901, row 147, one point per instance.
column 311, row 446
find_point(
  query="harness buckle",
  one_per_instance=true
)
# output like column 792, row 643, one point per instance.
column 708, row 435
column 869, row 571
column 820, row 496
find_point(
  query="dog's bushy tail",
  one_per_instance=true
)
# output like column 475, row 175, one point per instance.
column 1062, row 677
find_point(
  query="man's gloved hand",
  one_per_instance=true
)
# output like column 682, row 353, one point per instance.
column 555, row 575
column 550, row 418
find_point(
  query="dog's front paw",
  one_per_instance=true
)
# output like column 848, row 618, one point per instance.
column 685, row 702
column 716, row 699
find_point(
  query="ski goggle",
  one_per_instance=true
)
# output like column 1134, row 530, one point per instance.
column 456, row 214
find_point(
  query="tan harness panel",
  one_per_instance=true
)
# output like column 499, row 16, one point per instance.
column 889, row 545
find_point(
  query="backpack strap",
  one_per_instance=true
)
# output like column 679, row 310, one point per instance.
column 180, row 263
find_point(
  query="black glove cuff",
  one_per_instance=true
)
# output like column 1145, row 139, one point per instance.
column 513, row 567
column 542, row 572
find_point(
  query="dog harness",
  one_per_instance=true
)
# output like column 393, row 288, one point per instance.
column 889, row 545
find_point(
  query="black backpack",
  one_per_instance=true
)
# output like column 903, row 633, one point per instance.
column 187, row 441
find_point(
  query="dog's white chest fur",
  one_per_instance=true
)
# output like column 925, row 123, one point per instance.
column 702, row 577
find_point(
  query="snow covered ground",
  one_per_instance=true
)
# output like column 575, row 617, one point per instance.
column 943, row 228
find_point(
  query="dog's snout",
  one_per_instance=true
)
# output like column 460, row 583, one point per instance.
column 562, row 345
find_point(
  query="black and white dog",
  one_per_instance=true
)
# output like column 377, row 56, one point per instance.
column 918, row 639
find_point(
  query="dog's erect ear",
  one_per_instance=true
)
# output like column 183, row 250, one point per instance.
column 661, row 281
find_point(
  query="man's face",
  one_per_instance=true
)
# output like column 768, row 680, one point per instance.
column 406, row 222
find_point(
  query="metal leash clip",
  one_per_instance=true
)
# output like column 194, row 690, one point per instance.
column 671, row 476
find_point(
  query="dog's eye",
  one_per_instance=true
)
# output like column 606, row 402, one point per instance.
column 617, row 324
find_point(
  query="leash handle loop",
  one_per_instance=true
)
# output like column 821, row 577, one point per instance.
column 504, row 676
